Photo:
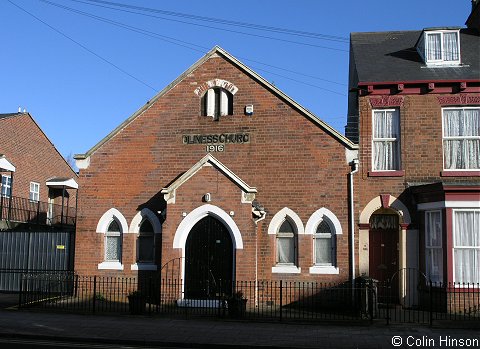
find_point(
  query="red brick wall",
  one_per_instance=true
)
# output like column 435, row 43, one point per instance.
column 421, row 149
column 33, row 155
column 290, row 160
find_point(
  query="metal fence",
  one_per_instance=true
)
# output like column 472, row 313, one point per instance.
column 17, row 209
column 260, row 300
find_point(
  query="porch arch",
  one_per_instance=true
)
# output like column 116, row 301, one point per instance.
column 392, row 203
column 196, row 215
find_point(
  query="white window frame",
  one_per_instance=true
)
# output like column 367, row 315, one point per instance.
column 293, row 236
column 439, row 278
column 377, row 139
column 319, row 236
column 336, row 229
column 273, row 228
column 137, row 221
column 461, row 247
column 113, row 234
column 217, row 101
column 150, row 235
column 34, row 195
column 442, row 60
column 102, row 227
column 6, row 186
column 444, row 138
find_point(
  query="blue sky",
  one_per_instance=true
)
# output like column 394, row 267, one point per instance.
column 76, row 92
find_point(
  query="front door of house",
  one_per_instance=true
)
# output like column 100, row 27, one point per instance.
column 208, row 260
column 383, row 247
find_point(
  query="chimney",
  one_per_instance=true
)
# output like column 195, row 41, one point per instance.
column 473, row 21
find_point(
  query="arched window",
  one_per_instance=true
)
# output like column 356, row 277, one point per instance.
column 326, row 230
column 113, row 242
column 217, row 102
column 286, row 244
column 146, row 243
column 325, row 245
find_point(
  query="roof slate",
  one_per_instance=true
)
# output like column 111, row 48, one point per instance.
column 392, row 57
column 8, row 115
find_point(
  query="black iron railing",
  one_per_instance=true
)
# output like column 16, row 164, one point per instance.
column 254, row 300
column 21, row 210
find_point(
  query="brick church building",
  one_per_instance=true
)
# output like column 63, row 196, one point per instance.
column 224, row 174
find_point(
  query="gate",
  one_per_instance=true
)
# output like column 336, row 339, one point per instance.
column 33, row 252
column 406, row 297
column 208, row 260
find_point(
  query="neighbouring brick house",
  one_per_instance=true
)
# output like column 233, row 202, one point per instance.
column 38, row 186
column 38, row 193
column 225, row 174
column 414, row 110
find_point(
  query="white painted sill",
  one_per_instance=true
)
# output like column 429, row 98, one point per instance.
column 286, row 269
column 110, row 266
column 324, row 269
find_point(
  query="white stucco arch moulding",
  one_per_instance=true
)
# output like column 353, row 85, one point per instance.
column 196, row 215
column 393, row 203
column 280, row 216
column 140, row 217
column 108, row 216
column 318, row 216
column 227, row 85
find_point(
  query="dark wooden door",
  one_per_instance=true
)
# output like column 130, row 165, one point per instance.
column 208, row 260
column 383, row 247
column 383, row 253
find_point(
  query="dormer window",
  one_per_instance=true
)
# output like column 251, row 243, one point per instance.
column 440, row 47
column 216, row 102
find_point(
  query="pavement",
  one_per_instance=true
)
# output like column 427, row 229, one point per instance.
column 154, row 331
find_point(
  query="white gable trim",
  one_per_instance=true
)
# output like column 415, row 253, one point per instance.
column 207, row 160
column 219, row 51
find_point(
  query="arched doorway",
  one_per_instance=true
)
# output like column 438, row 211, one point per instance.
column 209, row 258
column 383, row 237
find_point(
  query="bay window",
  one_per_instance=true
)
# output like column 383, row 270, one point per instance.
column 433, row 246
column 466, row 246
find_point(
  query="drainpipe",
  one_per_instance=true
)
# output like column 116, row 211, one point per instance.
column 262, row 214
column 351, row 227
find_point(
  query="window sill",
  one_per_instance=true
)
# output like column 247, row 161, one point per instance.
column 324, row 269
column 143, row 266
column 110, row 266
column 460, row 173
column 286, row 269
column 399, row 173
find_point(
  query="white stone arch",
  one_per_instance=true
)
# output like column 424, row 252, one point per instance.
column 318, row 216
column 393, row 203
column 140, row 217
column 280, row 216
column 196, row 215
column 107, row 218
